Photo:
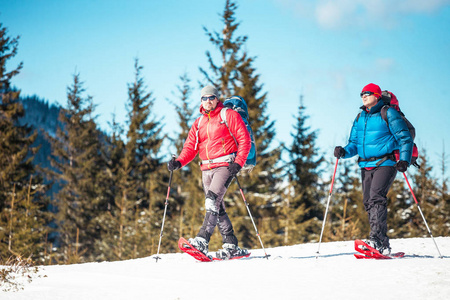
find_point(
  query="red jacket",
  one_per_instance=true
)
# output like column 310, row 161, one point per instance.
column 214, row 139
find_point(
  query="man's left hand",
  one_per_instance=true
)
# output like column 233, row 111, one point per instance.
column 234, row 168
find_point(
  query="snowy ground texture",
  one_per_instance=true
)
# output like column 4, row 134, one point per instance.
column 292, row 272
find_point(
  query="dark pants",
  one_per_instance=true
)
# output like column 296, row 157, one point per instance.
column 215, row 184
column 375, row 186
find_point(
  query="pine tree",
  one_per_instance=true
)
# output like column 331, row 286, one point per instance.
column 140, row 178
column 262, row 186
column 21, row 203
column 188, row 181
column 236, row 75
column 433, row 198
column 225, row 74
column 426, row 191
column 347, row 217
column 77, row 158
column 443, row 219
column 115, row 151
column 303, row 171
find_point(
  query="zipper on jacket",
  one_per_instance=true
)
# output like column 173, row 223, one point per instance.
column 364, row 135
column 223, row 146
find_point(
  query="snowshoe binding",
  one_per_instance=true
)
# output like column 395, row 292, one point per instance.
column 384, row 250
column 198, row 250
column 200, row 244
column 231, row 251
column 368, row 252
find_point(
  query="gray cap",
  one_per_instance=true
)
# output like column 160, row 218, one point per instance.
column 209, row 90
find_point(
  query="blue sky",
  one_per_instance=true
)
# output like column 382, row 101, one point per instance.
column 326, row 50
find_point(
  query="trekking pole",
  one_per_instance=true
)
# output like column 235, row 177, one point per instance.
column 423, row 217
column 165, row 210
column 328, row 204
column 250, row 214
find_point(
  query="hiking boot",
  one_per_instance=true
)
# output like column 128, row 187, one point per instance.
column 229, row 251
column 385, row 250
column 200, row 244
column 373, row 243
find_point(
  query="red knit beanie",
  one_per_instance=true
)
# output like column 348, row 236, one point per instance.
column 371, row 87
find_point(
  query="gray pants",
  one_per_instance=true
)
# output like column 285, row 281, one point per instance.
column 215, row 185
column 375, row 185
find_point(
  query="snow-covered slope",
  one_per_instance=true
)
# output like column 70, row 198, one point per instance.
column 291, row 272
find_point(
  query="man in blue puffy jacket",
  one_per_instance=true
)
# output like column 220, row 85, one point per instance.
column 374, row 141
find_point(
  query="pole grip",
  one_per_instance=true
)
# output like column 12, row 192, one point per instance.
column 170, row 177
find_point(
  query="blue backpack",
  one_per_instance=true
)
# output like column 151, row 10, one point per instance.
column 238, row 104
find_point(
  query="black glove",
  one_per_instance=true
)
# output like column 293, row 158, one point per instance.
column 339, row 152
column 402, row 166
column 234, row 168
column 173, row 165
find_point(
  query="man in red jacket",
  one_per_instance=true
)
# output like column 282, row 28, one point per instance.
column 221, row 161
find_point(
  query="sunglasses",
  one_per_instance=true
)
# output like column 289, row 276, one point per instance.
column 208, row 98
column 366, row 94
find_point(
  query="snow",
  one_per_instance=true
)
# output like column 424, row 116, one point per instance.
column 291, row 272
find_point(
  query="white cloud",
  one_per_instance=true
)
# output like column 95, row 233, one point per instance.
column 302, row 8
column 421, row 6
column 331, row 14
column 339, row 81
column 337, row 14
column 384, row 64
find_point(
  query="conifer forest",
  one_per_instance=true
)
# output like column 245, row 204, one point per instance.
column 72, row 193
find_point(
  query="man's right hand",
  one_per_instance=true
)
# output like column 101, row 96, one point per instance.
column 339, row 152
column 173, row 165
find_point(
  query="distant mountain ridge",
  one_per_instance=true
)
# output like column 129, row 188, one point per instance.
column 43, row 117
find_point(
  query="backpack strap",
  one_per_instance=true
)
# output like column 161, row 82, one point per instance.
column 223, row 116
column 383, row 113
column 196, row 133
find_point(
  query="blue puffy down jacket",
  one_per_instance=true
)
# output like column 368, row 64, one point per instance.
column 371, row 137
